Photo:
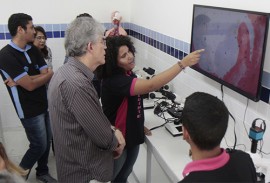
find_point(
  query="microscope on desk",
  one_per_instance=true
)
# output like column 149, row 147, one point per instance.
column 162, row 100
column 145, row 73
column 173, row 108
column 175, row 128
column 256, row 133
column 150, row 98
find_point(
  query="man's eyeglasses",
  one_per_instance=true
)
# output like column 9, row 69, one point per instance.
column 40, row 38
column 104, row 41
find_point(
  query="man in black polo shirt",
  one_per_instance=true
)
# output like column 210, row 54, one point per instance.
column 25, row 72
column 205, row 121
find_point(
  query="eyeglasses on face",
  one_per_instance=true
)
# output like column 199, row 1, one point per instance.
column 104, row 41
column 40, row 38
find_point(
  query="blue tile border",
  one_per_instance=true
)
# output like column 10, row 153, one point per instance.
column 171, row 50
column 52, row 31
column 169, row 45
column 56, row 27
column 2, row 36
column 7, row 35
column 56, row 34
column 2, row 29
column 6, row 29
column 48, row 27
column 62, row 33
column 63, row 27
column 49, row 34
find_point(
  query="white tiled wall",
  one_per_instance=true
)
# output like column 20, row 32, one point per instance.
column 58, row 51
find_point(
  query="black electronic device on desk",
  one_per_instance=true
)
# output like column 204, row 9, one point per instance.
column 168, row 104
column 175, row 128
column 175, row 112
column 149, row 102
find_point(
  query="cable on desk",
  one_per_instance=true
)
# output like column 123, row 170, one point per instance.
column 260, row 149
column 244, row 149
column 161, row 115
column 160, row 109
column 167, row 120
column 158, row 126
column 245, row 117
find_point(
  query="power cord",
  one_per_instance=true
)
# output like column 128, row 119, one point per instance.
column 244, row 118
column 261, row 151
column 244, row 146
column 235, row 137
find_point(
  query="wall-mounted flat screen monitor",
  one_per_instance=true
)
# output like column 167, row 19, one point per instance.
column 234, row 42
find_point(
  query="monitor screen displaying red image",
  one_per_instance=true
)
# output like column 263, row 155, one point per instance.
column 234, row 43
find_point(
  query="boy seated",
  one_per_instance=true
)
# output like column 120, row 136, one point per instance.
column 205, row 121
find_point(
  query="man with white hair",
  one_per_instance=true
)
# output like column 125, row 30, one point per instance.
column 85, row 142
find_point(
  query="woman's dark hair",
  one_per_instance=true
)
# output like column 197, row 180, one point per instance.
column 110, row 67
column 44, row 51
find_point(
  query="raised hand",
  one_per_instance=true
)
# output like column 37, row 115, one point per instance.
column 192, row 58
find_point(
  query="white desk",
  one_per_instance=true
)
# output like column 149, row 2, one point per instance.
column 170, row 152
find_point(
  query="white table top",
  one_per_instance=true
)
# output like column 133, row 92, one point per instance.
column 170, row 152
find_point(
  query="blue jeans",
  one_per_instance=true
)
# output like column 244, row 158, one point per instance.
column 123, row 166
column 38, row 132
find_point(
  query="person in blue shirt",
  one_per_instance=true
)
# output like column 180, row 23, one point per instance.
column 26, row 73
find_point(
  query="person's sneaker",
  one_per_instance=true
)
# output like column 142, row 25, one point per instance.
column 46, row 178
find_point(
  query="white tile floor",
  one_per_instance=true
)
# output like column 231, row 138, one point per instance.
column 52, row 169
column 32, row 176
column 16, row 147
